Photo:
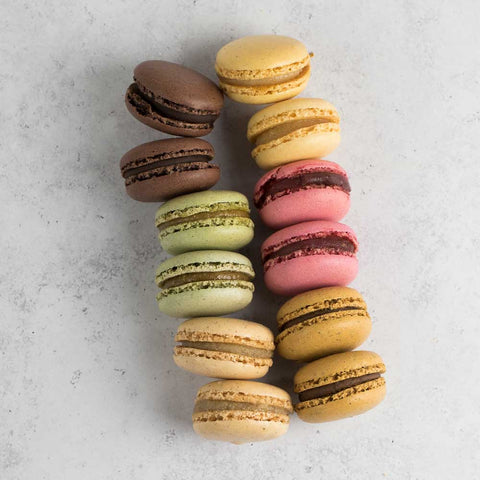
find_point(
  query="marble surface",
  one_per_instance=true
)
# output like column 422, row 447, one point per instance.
column 88, row 387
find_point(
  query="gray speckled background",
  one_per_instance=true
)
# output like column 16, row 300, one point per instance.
column 88, row 388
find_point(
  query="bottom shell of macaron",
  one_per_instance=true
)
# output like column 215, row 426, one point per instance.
column 239, row 411
column 205, row 298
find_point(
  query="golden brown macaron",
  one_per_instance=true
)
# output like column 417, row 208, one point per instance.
column 263, row 68
column 240, row 411
column 322, row 322
column 292, row 130
column 224, row 347
column 339, row 386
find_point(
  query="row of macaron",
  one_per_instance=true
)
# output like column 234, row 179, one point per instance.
column 305, row 197
column 289, row 130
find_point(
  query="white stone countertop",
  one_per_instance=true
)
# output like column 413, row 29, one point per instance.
column 88, row 387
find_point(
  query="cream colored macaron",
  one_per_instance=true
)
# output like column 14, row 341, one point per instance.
column 224, row 348
column 295, row 129
column 263, row 68
column 240, row 411
column 339, row 386
column 322, row 322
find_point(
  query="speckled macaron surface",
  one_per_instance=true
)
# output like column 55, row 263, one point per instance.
column 218, row 219
column 339, row 386
column 263, row 68
column 240, row 411
column 173, row 98
column 295, row 129
column 224, row 347
column 322, row 322
column 203, row 283
column 159, row 170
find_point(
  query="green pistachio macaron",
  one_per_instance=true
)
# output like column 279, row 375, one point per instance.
column 218, row 219
column 204, row 283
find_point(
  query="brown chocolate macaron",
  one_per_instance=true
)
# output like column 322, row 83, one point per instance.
column 159, row 170
column 173, row 99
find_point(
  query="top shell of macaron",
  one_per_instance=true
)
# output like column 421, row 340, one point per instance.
column 335, row 368
column 204, row 261
column 310, row 229
column 291, row 110
column 244, row 390
column 208, row 201
column 318, row 299
column 226, row 330
column 298, row 168
column 179, row 85
column 261, row 56
column 167, row 149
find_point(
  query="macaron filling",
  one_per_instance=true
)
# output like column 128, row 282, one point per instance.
column 336, row 387
column 268, row 80
column 206, row 405
column 182, row 279
column 318, row 313
column 204, row 216
column 284, row 129
column 145, row 107
column 278, row 187
column 237, row 349
column 331, row 243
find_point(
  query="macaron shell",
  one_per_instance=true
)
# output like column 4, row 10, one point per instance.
column 239, row 430
column 324, row 337
column 219, row 364
column 304, row 273
column 164, row 187
column 206, row 298
column 224, row 234
column 306, row 205
column 315, row 141
column 353, row 401
column 253, row 56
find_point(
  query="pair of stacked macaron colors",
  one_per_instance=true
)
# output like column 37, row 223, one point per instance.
column 312, row 256
column 206, row 277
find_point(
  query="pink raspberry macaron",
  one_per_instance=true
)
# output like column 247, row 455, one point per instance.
column 309, row 255
column 303, row 191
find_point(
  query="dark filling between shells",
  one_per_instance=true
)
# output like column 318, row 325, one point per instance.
column 331, row 243
column 169, row 109
column 203, row 277
column 159, row 161
column 316, row 313
column 312, row 179
column 332, row 388
column 204, row 216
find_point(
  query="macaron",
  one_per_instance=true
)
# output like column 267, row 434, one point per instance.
column 203, row 283
column 339, row 386
column 303, row 191
column 295, row 129
column 173, row 99
column 322, row 322
column 263, row 68
column 239, row 411
column 214, row 220
column 159, row 170
column 309, row 255
column 224, row 347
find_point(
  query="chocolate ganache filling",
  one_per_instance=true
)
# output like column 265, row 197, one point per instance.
column 332, row 388
column 332, row 243
column 310, row 179
column 204, row 277
column 314, row 314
